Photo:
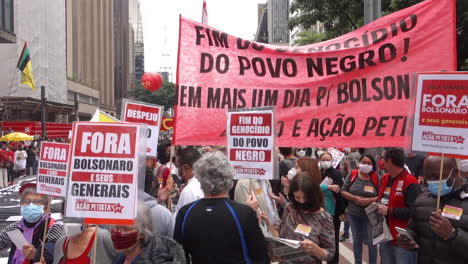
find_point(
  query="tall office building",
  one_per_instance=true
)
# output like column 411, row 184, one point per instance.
column 278, row 16
column 90, row 55
column 42, row 25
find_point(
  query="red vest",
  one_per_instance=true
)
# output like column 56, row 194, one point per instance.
column 397, row 198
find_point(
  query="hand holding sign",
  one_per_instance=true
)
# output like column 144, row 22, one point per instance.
column 441, row 226
column 29, row 251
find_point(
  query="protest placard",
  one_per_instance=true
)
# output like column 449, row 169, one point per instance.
column 104, row 170
column 144, row 113
column 337, row 156
column 351, row 91
column 251, row 141
column 52, row 178
column 441, row 113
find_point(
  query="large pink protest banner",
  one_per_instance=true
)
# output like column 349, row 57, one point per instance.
column 351, row 91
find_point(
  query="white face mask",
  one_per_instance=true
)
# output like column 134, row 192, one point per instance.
column 291, row 173
column 300, row 153
column 365, row 168
column 463, row 165
column 325, row 164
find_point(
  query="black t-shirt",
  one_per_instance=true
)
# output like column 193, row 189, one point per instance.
column 211, row 237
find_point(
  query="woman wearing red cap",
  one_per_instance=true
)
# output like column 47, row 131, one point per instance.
column 34, row 209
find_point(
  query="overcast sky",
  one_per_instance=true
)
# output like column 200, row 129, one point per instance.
column 161, row 25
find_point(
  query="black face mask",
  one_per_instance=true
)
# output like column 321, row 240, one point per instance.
column 301, row 206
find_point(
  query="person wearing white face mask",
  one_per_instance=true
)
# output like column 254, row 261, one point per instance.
column 330, row 173
column 361, row 189
column 300, row 152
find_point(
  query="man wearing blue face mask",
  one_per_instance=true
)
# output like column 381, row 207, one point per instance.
column 441, row 236
column 35, row 212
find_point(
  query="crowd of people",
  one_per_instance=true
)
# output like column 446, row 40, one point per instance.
column 193, row 211
column 16, row 160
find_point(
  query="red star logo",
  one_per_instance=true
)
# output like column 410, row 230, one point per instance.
column 261, row 172
column 148, row 150
column 459, row 140
column 118, row 208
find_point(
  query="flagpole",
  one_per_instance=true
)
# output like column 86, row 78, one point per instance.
column 6, row 101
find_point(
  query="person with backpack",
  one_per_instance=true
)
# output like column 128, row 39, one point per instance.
column 361, row 189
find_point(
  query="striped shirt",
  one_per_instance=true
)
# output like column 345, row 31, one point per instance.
column 54, row 233
column 322, row 232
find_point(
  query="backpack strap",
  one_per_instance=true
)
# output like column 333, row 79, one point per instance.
column 245, row 250
column 354, row 175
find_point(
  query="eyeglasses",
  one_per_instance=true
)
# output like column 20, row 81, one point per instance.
column 34, row 201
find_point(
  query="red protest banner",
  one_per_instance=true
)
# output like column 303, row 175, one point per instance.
column 351, row 91
column 52, row 169
column 441, row 113
column 103, row 172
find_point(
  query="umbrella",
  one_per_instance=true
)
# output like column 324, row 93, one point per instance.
column 16, row 136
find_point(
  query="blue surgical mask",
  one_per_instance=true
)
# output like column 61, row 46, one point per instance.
column 32, row 213
column 433, row 186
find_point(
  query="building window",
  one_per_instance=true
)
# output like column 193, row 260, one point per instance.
column 6, row 15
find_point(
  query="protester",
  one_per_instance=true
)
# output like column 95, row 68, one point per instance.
column 398, row 191
column 463, row 167
column 415, row 165
column 330, row 174
column 78, row 246
column 31, row 167
column 361, row 189
column 300, row 152
column 306, row 210
column 185, row 158
column 11, row 157
column 161, row 218
column 4, row 165
column 349, row 164
column 137, row 244
column 440, row 236
column 34, row 210
column 20, row 161
column 215, row 229
column 247, row 189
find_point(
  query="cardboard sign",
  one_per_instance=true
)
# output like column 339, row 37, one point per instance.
column 350, row 91
column 144, row 113
column 52, row 178
column 441, row 113
column 337, row 156
column 104, row 166
column 251, row 141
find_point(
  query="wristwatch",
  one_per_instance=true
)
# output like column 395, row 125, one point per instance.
column 453, row 235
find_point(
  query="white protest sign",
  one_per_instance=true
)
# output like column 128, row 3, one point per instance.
column 251, row 141
column 52, row 178
column 104, row 166
column 441, row 113
column 337, row 156
column 144, row 113
column 17, row 238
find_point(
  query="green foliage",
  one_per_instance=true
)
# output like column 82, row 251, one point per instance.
column 342, row 16
column 308, row 37
column 164, row 96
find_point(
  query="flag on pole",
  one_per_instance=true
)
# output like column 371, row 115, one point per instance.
column 100, row 116
column 204, row 19
column 25, row 66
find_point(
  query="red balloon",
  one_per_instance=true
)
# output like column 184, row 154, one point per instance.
column 151, row 81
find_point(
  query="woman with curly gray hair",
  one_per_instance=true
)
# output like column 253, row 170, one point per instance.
column 216, row 229
column 137, row 244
